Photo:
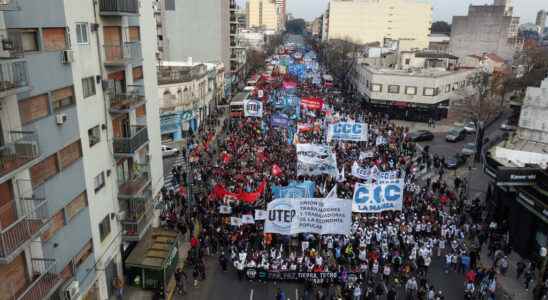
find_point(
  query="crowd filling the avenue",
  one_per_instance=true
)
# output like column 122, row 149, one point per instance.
column 301, row 185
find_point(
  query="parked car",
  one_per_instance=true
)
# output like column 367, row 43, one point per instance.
column 455, row 161
column 468, row 149
column 169, row 151
column 455, row 134
column 506, row 126
column 470, row 127
column 421, row 135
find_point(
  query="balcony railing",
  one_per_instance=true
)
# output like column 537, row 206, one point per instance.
column 42, row 281
column 135, row 230
column 123, row 54
column 136, row 207
column 13, row 75
column 31, row 219
column 21, row 149
column 12, row 43
column 137, row 137
column 118, row 7
column 124, row 102
column 137, row 181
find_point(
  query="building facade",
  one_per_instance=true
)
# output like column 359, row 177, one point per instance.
column 81, row 163
column 265, row 14
column 518, row 192
column 209, row 37
column 486, row 29
column 367, row 21
column 541, row 21
column 413, row 90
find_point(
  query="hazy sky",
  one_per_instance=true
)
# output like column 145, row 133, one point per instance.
column 443, row 9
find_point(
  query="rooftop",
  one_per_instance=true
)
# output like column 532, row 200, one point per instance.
column 414, row 72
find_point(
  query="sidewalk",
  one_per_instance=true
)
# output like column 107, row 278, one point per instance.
column 511, row 287
column 441, row 127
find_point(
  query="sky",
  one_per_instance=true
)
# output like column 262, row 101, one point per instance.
column 443, row 9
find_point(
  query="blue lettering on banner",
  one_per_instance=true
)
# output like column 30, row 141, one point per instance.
column 372, row 198
column 348, row 131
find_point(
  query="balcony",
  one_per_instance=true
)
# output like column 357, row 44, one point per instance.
column 135, row 207
column 136, row 183
column 44, row 280
column 13, row 77
column 135, row 230
column 31, row 221
column 12, row 43
column 121, row 55
column 127, row 146
column 118, row 7
column 20, row 151
column 127, row 101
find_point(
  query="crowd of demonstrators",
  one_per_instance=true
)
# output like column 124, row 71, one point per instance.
column 391, row 253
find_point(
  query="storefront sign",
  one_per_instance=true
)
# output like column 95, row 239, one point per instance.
column 516, row 176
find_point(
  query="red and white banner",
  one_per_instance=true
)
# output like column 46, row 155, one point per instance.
column 312, row 103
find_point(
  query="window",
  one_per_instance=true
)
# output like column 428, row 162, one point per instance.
column 76, row 205
column 99, row 181
column 43, row 170
column 82, row 33
column 376, row 87
column 29, row 40
column 137, row 73
column 394, row 89
column 104, row 228
column 88, row 86
column 54, row 38
column 70, row 154
column 62, row 98
column 33, row 108
column 94, row 135
column 448, row 88
column 407, row 61
column 428, row 92
column 134, row 34
column 169, row 4
column 410, row 90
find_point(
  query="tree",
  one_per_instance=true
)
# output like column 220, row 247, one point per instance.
column 441, row 27
column 340, row 57
column 255, row 60
column 295, row 26
column 483, row 103
column 272, row 43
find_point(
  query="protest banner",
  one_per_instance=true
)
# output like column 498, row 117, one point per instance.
column 253, row 108
column 348, row 131
column 279, row 120
column 313, row 277
column 225, row 209
column 304, row 189
column 312, row 103
column 309, row 215
column 260, row 215
column 316, row 160
column 234, row 221
column 248, row 219
column 375, row 197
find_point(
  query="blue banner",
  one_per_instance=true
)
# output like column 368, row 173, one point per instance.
column 375, row 198
column 294, row 190
column 348, row 131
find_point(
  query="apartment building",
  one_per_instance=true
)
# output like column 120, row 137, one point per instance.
column 265, row 14
column 486, row 29
column 80, row 161
column 367, row 21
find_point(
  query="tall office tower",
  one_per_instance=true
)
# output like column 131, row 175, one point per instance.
column 282, row 11
column 541, row 21
column 80, row 162
column 367, row 21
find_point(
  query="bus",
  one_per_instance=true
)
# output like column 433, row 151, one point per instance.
column 237, row 105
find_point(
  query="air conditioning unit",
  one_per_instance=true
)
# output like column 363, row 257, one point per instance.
column 7, row 44
column 68, row 57
column 71, row 290
column 27, row 148
column 60, row 119
column 120, row 216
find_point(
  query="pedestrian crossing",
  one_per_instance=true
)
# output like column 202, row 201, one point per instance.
column 168, row 178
